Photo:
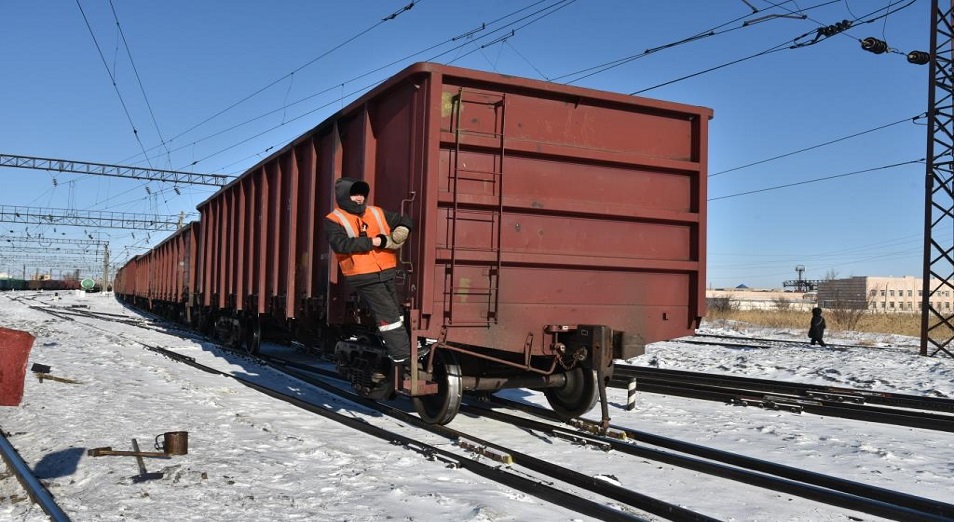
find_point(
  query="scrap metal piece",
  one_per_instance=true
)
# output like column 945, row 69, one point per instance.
column 42, row 376
column 108, row 451
column 143, row 474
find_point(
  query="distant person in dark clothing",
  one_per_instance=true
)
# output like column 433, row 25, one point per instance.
column 816, row 329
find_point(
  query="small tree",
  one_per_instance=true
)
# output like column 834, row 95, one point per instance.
column 845, row 309
column 781, row 304
column 722, row 304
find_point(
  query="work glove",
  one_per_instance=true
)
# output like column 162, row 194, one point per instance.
column 399, row 234
column 393, row 244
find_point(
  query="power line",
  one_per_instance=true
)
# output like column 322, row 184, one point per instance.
column 530, row 18
column 816, row 180
column 788, row 44
column 112, row 78
column 392, row 16
column 759, row 162
column 714, row 31
column 135, row 69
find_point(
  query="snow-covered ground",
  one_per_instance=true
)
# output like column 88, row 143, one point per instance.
column 255, row 458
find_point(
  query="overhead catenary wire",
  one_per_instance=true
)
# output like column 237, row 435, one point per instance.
column 112, row 78
column 819, row 145
column 286, row 105
column 714, row 31
column 455, row 39
column 787, row 45
column 361, row 33
column 527, row 20
column 817, row 180
column 135, row 69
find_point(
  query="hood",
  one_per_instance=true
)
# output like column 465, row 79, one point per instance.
column 344, row 188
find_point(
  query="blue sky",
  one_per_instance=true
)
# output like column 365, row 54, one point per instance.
column 214, row 86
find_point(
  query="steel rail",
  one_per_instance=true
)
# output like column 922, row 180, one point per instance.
column 626, row 371
column 533, row 487
column 798, row 404
column 586, row 482
column 529, row 486
column 34, row 488
column 898, row 511
column 699, row 338
column 777, row 477
column 816, row 486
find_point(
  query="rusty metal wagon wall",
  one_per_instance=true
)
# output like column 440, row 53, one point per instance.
column 162, row 279
column 536, row 204
column 556, row 228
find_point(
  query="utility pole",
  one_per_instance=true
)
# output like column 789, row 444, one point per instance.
column 105, row 267
column 937, row 328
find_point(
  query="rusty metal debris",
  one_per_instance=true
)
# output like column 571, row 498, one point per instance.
column 42, row 371
column 109, row 451
column 173, row 443
column 143, row 474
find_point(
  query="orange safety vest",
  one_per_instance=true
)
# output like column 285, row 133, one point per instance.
column 377, row 259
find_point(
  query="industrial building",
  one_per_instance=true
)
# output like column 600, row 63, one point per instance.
column 875, row 294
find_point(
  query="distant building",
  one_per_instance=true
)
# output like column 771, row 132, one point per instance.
column 745, row 298
column 875, row 294
column 883, row 294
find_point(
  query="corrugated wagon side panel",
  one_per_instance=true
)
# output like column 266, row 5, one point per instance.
column 261, row 238
column 558, row 205
column 291, row 221
column 305, row 250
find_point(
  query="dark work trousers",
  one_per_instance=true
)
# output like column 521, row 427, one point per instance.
column 378, row 292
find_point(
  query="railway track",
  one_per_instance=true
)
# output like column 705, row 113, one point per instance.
column 539, row 482
column 730, row 466
column 756, row 342
column 29, row 481
column 769, row 475
column 536, row 487
column 932, row 413
column 830, row 490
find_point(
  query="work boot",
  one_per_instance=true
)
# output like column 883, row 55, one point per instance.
column 378, row 376
column 422, row 352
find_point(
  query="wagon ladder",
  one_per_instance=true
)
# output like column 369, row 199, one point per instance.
column 494, row 103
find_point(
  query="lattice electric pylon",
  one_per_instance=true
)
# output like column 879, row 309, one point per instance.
column 937, row 325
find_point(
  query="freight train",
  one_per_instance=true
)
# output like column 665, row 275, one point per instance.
column 557, row 229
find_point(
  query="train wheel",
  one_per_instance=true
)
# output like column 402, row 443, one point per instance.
column 442, row 407
column 253, row 336
column 577, row 396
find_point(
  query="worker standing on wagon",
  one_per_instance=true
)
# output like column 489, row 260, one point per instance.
column 365, row 240
column 816, row 328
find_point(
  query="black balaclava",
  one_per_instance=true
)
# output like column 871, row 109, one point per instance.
column 345, row 188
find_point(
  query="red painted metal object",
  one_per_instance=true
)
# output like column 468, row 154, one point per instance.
column 535, row 204
column 163, row 277
column 15, row 348
column 557, row 228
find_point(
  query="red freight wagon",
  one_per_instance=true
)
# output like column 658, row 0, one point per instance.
column 162, row 279
column 557, row 228
column 123, row 281
column 171, row 272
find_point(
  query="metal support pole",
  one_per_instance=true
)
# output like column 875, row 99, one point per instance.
column 937, row 325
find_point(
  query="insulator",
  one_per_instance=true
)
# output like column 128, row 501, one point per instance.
column 919, row 57
column 873, row 45
column 832, row 30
